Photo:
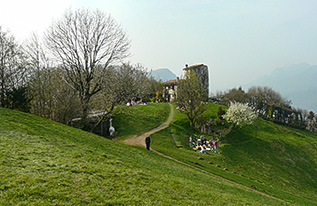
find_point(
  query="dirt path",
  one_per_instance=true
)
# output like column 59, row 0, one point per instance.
column 140, row 140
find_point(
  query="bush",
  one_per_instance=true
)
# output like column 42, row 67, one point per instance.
column 220, row 113
column 218, row 121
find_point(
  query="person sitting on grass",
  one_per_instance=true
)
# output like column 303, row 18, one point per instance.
column 203, row 149
column 197, row 148
column 210, row 143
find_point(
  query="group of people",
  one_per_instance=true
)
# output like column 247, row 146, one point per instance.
column 201, row 145
column 140, row 102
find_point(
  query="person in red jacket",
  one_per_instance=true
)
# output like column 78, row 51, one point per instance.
column 215, row 145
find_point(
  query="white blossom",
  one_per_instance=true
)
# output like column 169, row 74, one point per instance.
column 240, row 114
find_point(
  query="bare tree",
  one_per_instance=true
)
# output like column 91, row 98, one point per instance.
column 35, row 51
column 81, row 41
column 122, row 84
column 12, row 66
column 268, row 96
column 39, row 84
column 66, row 104
column 127, row 83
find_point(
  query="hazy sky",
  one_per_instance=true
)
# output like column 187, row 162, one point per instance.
column 239, row 40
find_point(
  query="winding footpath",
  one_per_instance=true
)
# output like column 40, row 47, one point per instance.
column 140, row 140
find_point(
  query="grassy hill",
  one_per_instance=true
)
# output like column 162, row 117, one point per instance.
column 277, row 160
column 130, row 121
column 47, row 163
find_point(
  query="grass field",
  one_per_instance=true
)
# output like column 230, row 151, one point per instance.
column 135, row 120
column 277, row 160
column 47, row 163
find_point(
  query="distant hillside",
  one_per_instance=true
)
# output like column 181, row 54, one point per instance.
column 294, row 82
column 163, row 74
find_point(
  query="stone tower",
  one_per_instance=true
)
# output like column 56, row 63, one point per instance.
column 202, row 71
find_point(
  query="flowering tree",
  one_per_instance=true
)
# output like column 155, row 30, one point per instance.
column 240, row 114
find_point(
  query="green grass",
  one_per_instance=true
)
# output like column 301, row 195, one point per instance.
column 47, row 163
column 135, row 120
column 279, row 161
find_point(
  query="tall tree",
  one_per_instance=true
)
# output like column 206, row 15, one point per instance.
column 127, row 83
column 12, row 66
column 121, row 85
column 191, row 97
column 40, row 87
column 82, row 41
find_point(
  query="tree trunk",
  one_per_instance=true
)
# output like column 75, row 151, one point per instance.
column 84, row 121
column 192, row 123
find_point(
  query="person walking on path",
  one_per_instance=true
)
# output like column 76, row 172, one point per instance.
column 148, row 142
column 140, row 140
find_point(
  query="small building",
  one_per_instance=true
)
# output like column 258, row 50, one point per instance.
column 169, row 90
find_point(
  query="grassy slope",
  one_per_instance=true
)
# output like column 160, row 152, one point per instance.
column 46, row 163
column 138, row 119
column 280, row 161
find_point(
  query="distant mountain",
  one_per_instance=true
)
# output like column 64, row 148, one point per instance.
column 297, row 83
column 163, row 74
